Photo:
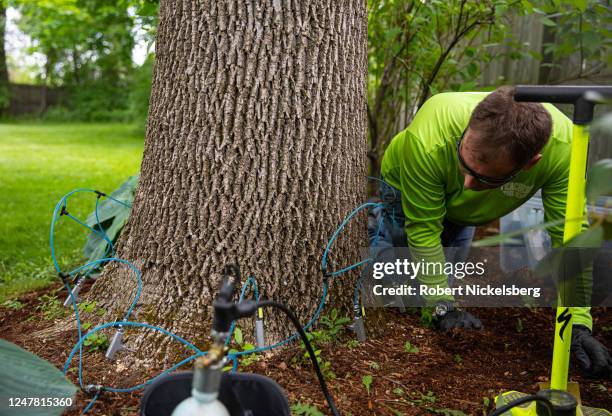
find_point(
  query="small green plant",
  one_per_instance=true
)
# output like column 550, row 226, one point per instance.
column 409, row 348
column 305, row 409
column 87, row 307
column 519, row 325
column 486, row 402
column 91, row 307
column 352, row 344
column 13, row 304
column 367, row 381
column 606, row 328
column 429, row 397
column 398, row 391
column 85, row 326
column 50, row 307
column 374, row 365
column 245, row 360
column 326, row 369
column 458, row 358
column 325, row 366
column 96, row 342
column 601, row 387
column 332, row 324
column 427, row 318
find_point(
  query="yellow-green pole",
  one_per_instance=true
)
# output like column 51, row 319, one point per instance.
column 574, row 214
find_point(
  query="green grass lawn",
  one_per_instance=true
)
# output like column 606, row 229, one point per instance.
column 39, row 163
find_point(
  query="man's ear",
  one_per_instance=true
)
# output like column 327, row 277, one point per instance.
column 534, row 160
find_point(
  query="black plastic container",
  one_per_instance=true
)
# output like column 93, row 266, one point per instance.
column 243, row 394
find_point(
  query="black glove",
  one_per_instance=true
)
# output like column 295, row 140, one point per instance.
column 459, row 319
column 594, row 359
column 449, row 317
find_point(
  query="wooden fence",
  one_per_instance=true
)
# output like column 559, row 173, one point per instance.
column 33, row 99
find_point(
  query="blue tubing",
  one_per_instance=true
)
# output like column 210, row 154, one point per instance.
column 337, row 232
column 250, row 282
column 131, row 266
column 63, row 204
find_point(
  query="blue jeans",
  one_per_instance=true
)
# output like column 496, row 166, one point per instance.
column 386, row 226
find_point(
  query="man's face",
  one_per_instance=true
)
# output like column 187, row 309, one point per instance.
column 482, row 168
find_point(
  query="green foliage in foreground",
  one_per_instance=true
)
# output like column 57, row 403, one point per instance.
column 305, row 409
column 25, row 373
column 39, row 163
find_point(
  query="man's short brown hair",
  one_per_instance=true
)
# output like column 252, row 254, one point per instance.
column 519, row 130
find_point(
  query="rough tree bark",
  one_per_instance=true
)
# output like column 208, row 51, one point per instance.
column 255, row 151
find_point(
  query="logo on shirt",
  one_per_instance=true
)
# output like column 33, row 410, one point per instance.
column 516, row 190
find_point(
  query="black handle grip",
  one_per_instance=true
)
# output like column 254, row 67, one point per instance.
column 567, row 94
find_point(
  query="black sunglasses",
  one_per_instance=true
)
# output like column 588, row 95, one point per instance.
column 480, row 178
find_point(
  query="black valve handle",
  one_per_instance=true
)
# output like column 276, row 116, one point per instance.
column 565, row 94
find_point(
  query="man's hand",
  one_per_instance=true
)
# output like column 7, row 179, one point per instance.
column 449, row 317
column 594, row 359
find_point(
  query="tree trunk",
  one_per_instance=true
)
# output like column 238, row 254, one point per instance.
column 4, row 79
column 255, row 151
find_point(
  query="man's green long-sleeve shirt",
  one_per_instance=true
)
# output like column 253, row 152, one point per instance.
column 421, row 161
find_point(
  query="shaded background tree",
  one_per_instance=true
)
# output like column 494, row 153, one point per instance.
column 417, row 49
column 4, row 79
column 87, row 47
column 254, row 152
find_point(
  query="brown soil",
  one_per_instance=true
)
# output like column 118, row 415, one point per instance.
column 460, row 369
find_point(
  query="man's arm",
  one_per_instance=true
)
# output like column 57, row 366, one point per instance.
column 424, row 206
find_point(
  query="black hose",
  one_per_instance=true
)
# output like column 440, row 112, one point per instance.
column 313, row 357
column 523, row 400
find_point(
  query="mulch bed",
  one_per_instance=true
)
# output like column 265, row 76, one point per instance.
column 451, row 372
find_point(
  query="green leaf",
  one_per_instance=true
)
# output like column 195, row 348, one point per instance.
column 472, row 69
column 238, row 336
column 304, row 409
column 599, row 181
column 248, row 347
column 112, row 216
column 486, row 402
column 547, row 22
column 500, row 10
column 580, row 4
column 367, row 382
column 27, row 375
column 409, row 348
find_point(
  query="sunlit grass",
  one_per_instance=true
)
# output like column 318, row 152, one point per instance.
column 39, row 163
